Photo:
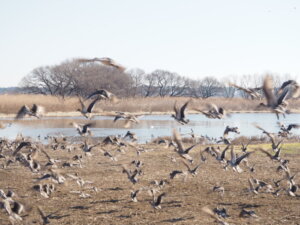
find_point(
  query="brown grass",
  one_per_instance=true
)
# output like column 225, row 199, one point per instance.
column 10, row 104
column 182, row 205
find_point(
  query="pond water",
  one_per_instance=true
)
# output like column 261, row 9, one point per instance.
column 150, row 126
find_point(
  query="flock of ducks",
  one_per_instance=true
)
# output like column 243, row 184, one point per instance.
column 27, row 153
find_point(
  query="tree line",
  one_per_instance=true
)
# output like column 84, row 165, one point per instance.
column 71, row 78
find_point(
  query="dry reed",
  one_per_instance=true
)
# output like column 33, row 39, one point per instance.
column 11, row 103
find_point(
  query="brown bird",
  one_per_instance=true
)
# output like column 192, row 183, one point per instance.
column 277, row 104
column 157, row 201
column 230, row 129
column 271, row 136
column 285, row 130
column 183, row 152
column 179, row 115
column 131, row 136
column 174, row 173
column 103, row 94
column 250, row 91
column 36, row 111
column 294, row 87
column 193, row 171
column 275, row 157
column 45, row 217
column 214, row 112
column 245, row 146
column 86, row 111
column 209, row 212
column 129, row 118
column 106, row 61
column 83, row 129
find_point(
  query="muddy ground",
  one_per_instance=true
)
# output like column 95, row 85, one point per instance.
column 185, row 195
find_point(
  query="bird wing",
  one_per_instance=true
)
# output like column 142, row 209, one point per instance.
column 98, row 92
column 118, row 117
column 76, row 125
column 209, row 212
column 127, row 124
column 34, row 108
column 174, row 173
column 91, row 106
column 83, row 108
column 125, row 170
column 37, row 110
column 177, row 139
column 21, row 145
column 271, row 136
column 183, row 109
column 282, row 97
column 86, row 126
column 204, row 113
column 256, row 89
column 260, row 128
column 240, row 88
column 285, row 84
column 226, row 131
column 214, row 150
column 296, row 91
column 187, row 166
column 46, row 154
column 81, row 60
column 213, row 107
column 159, row 198
column 110, row 62
column 266, row 152
column 294, row 125
column 224, row 152
column 268, row 89
column 186, row 151
column 249, row 142
column 239, row 159
column 6, row 206
column 277, row 153
column 222, row 111
column 176, row 110
column 23, row 112
column 251, row 184
column 42, row 214
column 105, row 60
column 233, row 156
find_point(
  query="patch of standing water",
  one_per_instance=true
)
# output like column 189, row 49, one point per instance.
column 150, row 126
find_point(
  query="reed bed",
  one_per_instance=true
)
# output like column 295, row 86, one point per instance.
column 10, row 104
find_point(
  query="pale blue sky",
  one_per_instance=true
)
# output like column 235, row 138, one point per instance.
column 193, row 38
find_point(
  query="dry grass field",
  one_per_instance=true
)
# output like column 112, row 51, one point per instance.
column 10, row 104
column 185, row 197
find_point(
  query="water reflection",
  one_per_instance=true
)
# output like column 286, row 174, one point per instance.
column 150, row 126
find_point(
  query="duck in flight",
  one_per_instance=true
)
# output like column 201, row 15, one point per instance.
column 86, row 111
column 179, row 115
column 36, row 111
column 106, row 61
column 277, row 104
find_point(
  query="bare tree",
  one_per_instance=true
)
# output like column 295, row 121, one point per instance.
column 207, row 87
column 137, row 78
column 227, row 90
column 74, row 78
column 150, row 85
column 178, row 85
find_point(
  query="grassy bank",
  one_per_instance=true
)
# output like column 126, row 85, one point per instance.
column 10, row 104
